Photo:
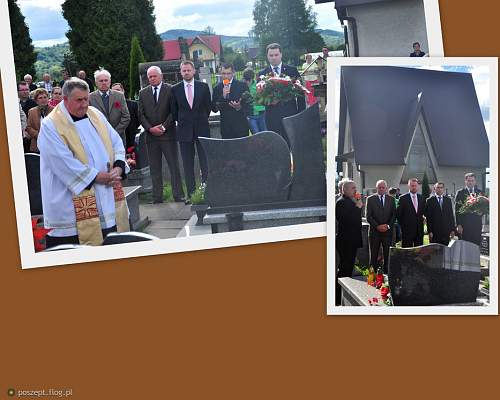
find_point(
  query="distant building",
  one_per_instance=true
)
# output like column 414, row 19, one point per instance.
column 381, row 27
column 396, row 123
column 205, row 49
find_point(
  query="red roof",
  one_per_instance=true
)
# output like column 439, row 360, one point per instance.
column 172, row 50
column 211, row 41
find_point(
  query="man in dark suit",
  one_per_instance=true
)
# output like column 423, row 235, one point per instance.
column 380, row 214
column 276, row 113
column 348, row 233
column 227, row 98
column 410, row 214
column 191, row 105
column 83, row 75
column 110, row 102
column 439, row 215
column 469, row 226
column 29, row 80
column 155, row 114
column 133, row 109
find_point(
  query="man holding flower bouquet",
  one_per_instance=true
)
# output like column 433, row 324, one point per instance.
column 468, row 210
column 276, row 109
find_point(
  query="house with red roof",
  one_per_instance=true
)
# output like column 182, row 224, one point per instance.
column 206, row 49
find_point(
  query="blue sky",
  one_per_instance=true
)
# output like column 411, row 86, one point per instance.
column 47, row 26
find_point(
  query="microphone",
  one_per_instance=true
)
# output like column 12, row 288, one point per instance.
column 226, row 88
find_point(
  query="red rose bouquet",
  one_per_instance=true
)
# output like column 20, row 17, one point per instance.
column 130, row 156
column 272, row 90
column 39, row 234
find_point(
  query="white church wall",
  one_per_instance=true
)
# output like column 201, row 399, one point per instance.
column 389, row 28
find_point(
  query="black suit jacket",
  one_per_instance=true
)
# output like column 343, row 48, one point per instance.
column 191, row 123
column 153, row 113
column 348, row 217
column 440, row 221
column 292, row 72
column 233, row 124
column 376, row 215
column 412, row 224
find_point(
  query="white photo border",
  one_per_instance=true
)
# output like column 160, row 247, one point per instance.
column 30, row 259
column 333, row 106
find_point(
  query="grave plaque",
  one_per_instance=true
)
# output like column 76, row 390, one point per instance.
column 249, row 170
column 434, row 274
column 304, row 136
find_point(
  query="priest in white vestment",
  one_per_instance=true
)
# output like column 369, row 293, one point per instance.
column 82, row 162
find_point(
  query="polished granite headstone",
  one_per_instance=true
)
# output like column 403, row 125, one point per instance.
column 485, row 244
column 32, row 162
column 304, row 136
column 434, row 274
column 249, row 170
column 141, row 151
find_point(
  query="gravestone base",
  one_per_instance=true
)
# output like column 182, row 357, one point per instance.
column 265, row 218
column 139, row 177
column 132, row 196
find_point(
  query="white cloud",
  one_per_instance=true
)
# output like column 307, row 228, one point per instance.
column 46, row 4
column 49, row 42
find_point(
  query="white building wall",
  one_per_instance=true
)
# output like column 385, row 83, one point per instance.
column 389, row 28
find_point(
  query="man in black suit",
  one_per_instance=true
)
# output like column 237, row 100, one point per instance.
column 348, row 233
column 227, row 98
column 380, row 214
column 410, row 214
column 276, row 113
column 133, row 109
column 191, row 105
column 469, row 226
column 156, row 118
column 439, row 215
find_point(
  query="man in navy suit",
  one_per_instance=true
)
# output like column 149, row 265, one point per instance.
column 227, row 98
column 191, row 105
column 439, row 215
column 410, row 214
column 469, row 226
column 276, row 113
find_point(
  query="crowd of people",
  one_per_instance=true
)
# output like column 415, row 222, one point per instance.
column 393, row 217
column 81, row 134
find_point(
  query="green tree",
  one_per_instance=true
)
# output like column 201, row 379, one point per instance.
column 239, row 62
column 426, row 192
column 24, row 52
column 288, row 22
column 136, row 57
column 100, row 33
column 208, row 31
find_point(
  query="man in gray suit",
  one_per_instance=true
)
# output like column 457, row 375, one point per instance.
column 156, row 119
column 110, row 102
column 380, row 214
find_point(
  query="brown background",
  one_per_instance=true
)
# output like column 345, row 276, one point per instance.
column 246, row 322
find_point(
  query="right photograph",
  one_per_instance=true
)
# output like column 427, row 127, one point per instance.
column 412, row 168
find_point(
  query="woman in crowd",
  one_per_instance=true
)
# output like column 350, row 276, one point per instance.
column 257, row 117
column 36, row 114
column 56, row 97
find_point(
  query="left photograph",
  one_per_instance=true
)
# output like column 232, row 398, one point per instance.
column 159, row 129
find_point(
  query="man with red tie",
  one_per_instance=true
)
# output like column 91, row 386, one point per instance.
column 410, row 214
column 191, row 105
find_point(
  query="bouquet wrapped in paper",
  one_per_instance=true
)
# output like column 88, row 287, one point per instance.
column 479, row 205
column 272, row 90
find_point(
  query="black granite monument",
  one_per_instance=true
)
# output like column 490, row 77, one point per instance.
column 434, row 274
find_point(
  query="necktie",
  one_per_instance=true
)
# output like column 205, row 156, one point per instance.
column 440, row 200
column 105, row 101
column 156, row 94
column 382, row 201
column 276, row 71
column 415, row 203
column 190, row 95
